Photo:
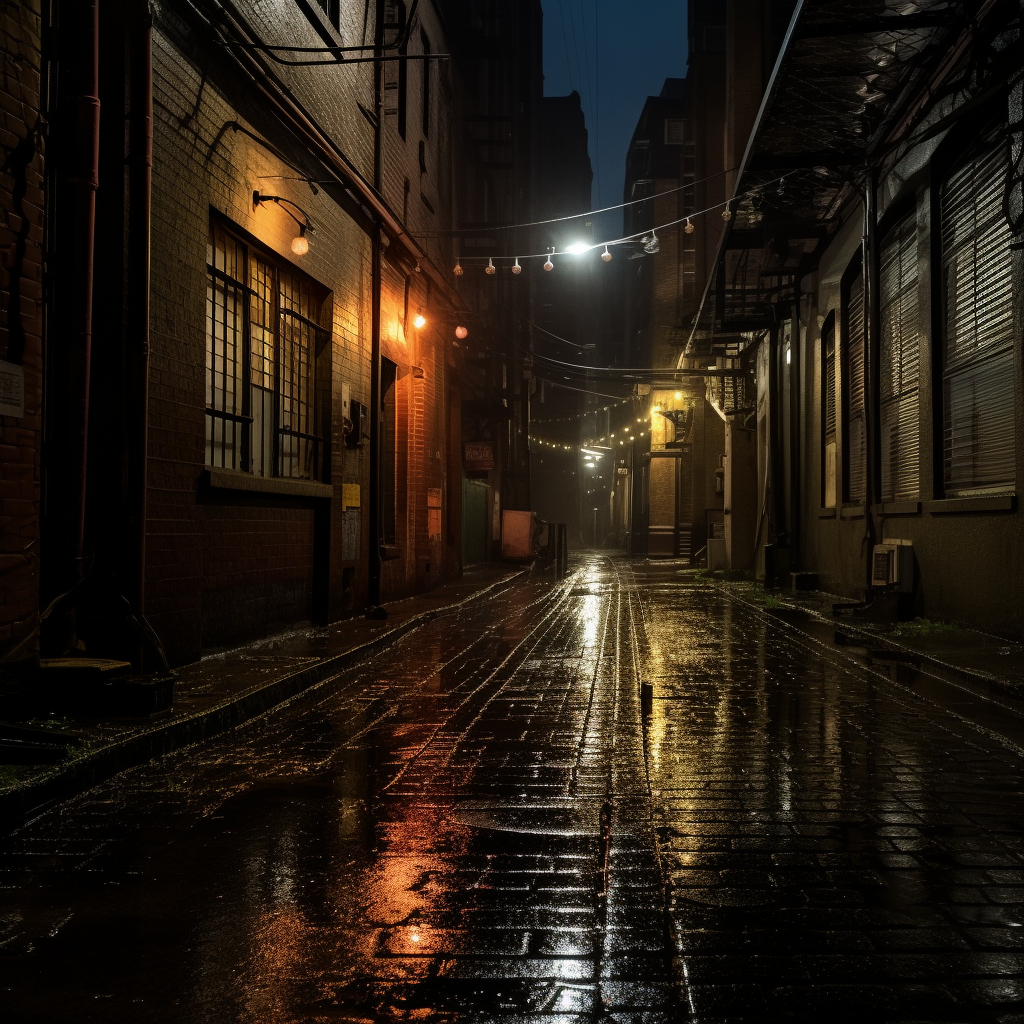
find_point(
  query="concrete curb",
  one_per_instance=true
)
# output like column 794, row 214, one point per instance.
column 22, row 803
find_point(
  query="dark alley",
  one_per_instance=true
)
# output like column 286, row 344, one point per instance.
column 494, row 819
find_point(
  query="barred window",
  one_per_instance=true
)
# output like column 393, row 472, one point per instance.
column 854, row 416
column 900, row 364
column 977, row 374
column 262, row 346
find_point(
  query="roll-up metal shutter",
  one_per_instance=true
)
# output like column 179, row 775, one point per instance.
column 899, row 363
column 854, row 434
column 977, row 371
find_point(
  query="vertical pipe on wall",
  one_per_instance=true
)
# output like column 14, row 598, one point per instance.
column 140, row 192
column 374, row 581
column 872, row 327
column 83, row 181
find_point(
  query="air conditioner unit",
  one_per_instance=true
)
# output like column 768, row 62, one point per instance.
column 892, row 563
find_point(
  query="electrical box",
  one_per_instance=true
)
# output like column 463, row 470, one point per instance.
column 892, row 564
column 360, row 432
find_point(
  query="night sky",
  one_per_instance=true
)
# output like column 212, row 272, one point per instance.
column 614, row 54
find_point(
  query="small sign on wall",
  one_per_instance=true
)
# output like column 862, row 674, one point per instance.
column 478, row 455
column 12, row 390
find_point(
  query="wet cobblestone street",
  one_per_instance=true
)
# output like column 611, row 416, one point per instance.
column 494, row 820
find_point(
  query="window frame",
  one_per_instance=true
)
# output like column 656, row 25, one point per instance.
column 304, row 399
column 982, row 149
column 854, row 274
column 829, row 403
column 902, row 219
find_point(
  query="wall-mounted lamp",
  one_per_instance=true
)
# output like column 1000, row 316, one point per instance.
column 419, row 320
column 300, row 243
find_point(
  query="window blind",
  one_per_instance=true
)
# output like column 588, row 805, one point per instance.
column 854, row 433
column 899, row 364
column 977, row 374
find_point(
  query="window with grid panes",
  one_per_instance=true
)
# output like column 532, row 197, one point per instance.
column 899, row 364
column 854, row 416
column 979, row 449
column 262, row 345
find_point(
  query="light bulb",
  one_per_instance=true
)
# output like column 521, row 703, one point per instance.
column 458, row 271
column 300, row 244
column 578, row 248
column 606, row 255
column 516, row 269
column 548, row 265
column 419, row 321
column 652, row 245
column 689, row 226
column 727, row 213
column 679, row 395
column 490, row 268
column 461, row 332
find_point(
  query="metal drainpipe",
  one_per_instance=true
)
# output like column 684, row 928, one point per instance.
column 873, row 325
column 374, row 582
column 84, row 181
column 795, row 426
column 140, row 184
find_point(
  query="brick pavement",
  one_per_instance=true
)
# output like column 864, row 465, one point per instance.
column 426, row 841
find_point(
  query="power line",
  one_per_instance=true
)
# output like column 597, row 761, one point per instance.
column 577, row 216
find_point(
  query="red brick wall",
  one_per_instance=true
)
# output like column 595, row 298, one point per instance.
column 21, row 235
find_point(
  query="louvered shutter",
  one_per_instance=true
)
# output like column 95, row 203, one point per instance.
column 978, row 383
column 854, row 435
column 899, row 359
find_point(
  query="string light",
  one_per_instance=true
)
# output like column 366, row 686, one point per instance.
column 648, row 239
column 461, row 332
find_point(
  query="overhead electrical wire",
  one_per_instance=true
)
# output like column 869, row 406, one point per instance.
column 637, row 236
column 577, row 216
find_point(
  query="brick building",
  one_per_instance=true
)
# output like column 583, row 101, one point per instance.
column 254, row 392
column 21, row 327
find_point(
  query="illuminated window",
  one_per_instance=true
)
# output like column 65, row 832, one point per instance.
column 263, row 340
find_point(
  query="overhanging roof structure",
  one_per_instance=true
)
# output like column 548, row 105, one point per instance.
column 852, row 79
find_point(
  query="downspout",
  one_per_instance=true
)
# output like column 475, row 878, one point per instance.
column 374, row 581
column 140, row 186
column 873, row 326
column 84, row 181
column 795, row 428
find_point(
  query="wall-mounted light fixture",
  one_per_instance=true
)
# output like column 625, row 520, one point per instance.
column 419, row 320
column 300, row 243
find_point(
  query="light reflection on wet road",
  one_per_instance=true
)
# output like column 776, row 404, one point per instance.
column 425, row 839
